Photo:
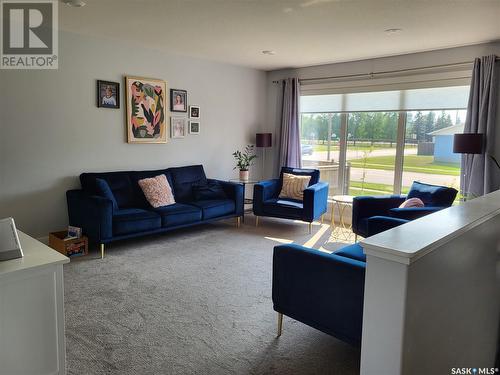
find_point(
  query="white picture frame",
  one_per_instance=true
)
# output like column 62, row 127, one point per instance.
column 194, row 111
column 177, row 127
column 194, row 127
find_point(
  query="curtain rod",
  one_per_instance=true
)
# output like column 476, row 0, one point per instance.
column 374, row 74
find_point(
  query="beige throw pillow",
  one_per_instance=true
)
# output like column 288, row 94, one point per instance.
column 157, row 191
column 294, row 186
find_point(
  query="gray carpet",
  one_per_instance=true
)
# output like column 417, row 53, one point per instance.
column 194, row 301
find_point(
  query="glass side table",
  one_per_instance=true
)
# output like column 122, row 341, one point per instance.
column 246, row 201
column 343, row 230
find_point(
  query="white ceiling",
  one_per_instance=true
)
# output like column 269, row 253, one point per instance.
column 302, row 32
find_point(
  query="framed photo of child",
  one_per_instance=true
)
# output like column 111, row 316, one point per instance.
column 108, row 94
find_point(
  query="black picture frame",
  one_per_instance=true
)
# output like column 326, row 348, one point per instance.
column 184, row 97
column 100, row 94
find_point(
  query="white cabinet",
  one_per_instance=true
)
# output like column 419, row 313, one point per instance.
column 32, row 311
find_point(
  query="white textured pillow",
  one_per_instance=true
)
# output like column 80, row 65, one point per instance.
column 294, row 186
column 157, row 191
column 412, row 202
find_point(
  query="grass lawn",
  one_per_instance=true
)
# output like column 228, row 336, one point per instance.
column 412, row 163
column 357, row 188
column 353, row 148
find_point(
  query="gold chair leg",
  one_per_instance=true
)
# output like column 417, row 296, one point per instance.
column 256, row 221
column 102, row 251
column 238, row 221
column 310, row 227
column 322, row 218
column 280, row 323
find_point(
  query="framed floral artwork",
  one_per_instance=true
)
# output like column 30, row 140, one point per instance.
column 146, row 98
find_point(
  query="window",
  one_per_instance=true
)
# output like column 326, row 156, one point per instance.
column 371, row 152
column 428, row 155
column 374, row 143
column 320, row 146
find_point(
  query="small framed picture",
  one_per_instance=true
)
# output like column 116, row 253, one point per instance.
column 194, row 127
column 178, row 100
column 108, row 94
column 177, row 127
column 194, row 111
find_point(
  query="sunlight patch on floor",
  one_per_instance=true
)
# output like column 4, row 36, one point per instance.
column 280, row 240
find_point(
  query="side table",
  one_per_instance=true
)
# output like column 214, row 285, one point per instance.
column 343, row 230
column 247, row 201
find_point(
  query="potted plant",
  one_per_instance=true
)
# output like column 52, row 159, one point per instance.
column 244, row 160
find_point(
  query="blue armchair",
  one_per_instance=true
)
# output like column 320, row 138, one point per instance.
column 372, row 215
column 266, row 201
column 324, row 291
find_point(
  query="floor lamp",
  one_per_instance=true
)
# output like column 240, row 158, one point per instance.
column 263, row 140
column 468, row 143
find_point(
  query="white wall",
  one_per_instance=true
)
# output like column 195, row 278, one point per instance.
column 409, row 61
column 51, row 130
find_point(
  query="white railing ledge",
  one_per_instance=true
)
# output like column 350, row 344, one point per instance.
column 411, row 241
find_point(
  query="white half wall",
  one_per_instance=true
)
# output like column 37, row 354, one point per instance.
column 432, row 293
column 51, row 129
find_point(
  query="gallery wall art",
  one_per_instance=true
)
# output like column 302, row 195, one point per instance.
column 146, row 114
column 108, row 94
column 178, row 100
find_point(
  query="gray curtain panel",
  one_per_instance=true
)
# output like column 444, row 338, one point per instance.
column 478, row 171
column 290, row 155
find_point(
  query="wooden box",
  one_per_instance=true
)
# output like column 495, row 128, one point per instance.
column 69, row 247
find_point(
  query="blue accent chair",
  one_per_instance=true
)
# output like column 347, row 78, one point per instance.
column 324, row 291
column 266, row 201
column 372, row 215
column 111, row 206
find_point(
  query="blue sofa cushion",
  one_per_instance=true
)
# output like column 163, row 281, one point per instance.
column 178, row 214
column 354, row 251
column 119, row 183
column 104, row 191
column 314, row 173
column 215, row 208
column 184, row 178
column 432, row 195
column 135, row 176
column 286, row 208
column 211, row 190
column 134, row 220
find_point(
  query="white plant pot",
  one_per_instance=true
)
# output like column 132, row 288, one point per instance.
column 244, row 175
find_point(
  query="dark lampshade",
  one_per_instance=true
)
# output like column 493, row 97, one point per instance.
column 264, row 139
column 468, row 143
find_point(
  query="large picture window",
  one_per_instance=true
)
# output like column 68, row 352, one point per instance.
column 374, row 143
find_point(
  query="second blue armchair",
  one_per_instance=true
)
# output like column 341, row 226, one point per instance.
column 375, row 214
column 266, row 200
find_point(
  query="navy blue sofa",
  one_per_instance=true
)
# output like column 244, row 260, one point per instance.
column 375, row 214
column 324, row 291
column 128, row 214
column 266, row 201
